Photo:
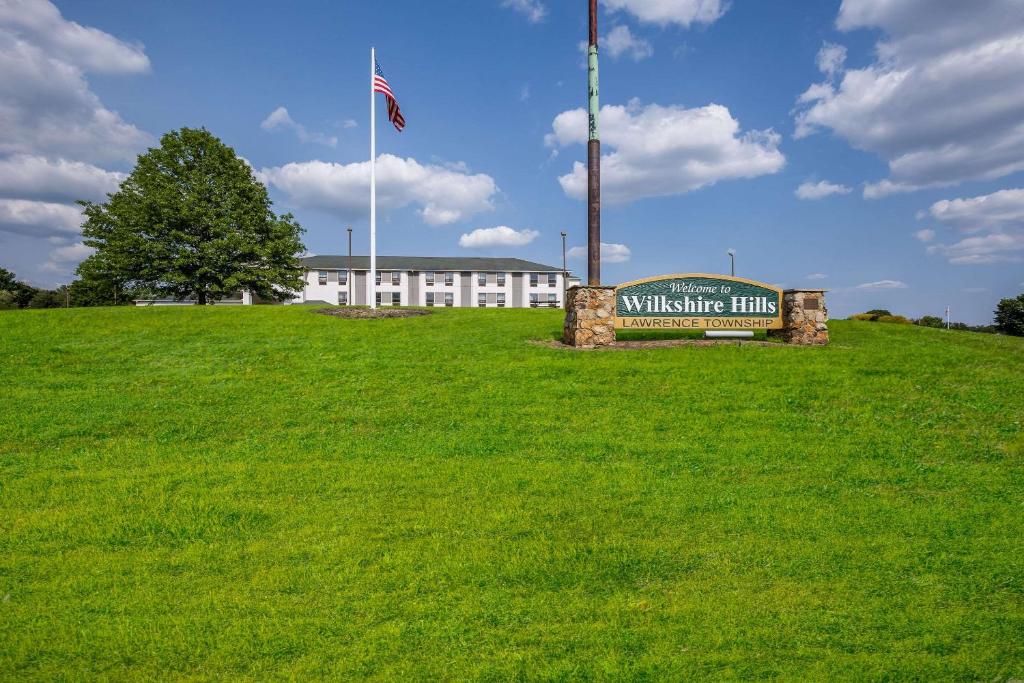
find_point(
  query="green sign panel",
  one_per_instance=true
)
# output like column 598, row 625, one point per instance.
column 698, row 302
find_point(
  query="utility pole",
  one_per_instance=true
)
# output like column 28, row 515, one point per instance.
column 732, row 262
column 348, row 280
column 947, row 317
column 593, row 159
column 565, row 272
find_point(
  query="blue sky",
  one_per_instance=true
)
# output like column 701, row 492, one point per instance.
column 900, row 120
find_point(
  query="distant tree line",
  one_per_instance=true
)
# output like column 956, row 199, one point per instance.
column 82, row 292
column 1009, row 319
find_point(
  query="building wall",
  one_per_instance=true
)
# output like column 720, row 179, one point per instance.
column 412, row 288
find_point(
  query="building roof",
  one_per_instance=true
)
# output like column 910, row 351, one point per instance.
column 427, row 263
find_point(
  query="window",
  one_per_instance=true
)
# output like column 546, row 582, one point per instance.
column 553, row 299
column 343, row 298
column 552, row 279
column 396, row 298
column 449, row 299
column 501, row 299
column 321, row 276
column 378, row 277
column 396, row 278
column 430, row 278
column 481, row 300
column 481, row 279
column 534, row 298
column 501, row 279
column 534, row 279
column 378, row 298
column 342, row 277
column 430, row 298
column 449, row 279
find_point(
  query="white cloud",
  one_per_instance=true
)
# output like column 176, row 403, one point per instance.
column 995, row 223
column 665, row 150
column 41, row 22
column 831, row 58
column 883, row 284
column 621, row 41
column 533, row 10
column 1002, row 209
column 816, row 276
column 820, row 190
column 682, row 12
column 524, row 92
column 501, row 236
column 942, row 103
column 610, row 253
column 63, row 260
column 39, row 177
column 39, row 219
column 444, row 195
column 46, row 106
column 349, row 123
column 925, row 235
column 280, row 119
column 983, row 250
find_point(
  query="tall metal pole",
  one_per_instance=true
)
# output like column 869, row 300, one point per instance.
column 371, row 286
column 348, row 280
column 593, row 160
column 732, row 262
column 565, row 272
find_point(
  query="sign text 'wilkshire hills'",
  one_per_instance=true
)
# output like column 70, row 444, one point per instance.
column 698, row 302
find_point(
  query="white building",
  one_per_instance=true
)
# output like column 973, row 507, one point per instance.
column 434, row 281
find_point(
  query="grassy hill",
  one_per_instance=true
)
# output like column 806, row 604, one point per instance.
column 265, row 492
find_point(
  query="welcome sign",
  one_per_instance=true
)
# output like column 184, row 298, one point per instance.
column 698, row 302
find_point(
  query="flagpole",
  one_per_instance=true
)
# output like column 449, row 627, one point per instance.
column 372, row 284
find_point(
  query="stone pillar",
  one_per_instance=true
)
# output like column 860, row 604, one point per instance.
column 804, row 317
column 589, row 317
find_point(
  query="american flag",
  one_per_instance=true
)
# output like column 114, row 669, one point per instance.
column 380, row 84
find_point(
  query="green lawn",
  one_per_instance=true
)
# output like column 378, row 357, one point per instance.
column 265, row 492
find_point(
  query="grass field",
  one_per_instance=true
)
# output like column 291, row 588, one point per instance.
column 265, row 492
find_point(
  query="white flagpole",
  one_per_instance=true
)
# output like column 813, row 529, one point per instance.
column 371, row 287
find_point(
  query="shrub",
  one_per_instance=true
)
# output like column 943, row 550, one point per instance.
column 898, row 319
column 931, row 321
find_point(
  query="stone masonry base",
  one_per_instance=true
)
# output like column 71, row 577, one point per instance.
column 589, row 317
column 805, row 318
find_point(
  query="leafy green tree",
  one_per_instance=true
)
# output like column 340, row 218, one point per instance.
column 50, row 298
column 1010, row 316
column 192, row 221
column 931, row 321
column 18, row 294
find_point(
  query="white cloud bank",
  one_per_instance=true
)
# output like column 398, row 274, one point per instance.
column 500, row 236
column 681, row 12
column 820, row 190
column 445, row 194
column 665, row 150
column 942, row 103
column 54, row 128
column 280, row 119
column 35, row 176
column 40, row 219
column 610, row 253
column 994, row 224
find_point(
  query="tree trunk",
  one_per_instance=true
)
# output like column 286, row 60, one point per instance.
column 202, row 298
